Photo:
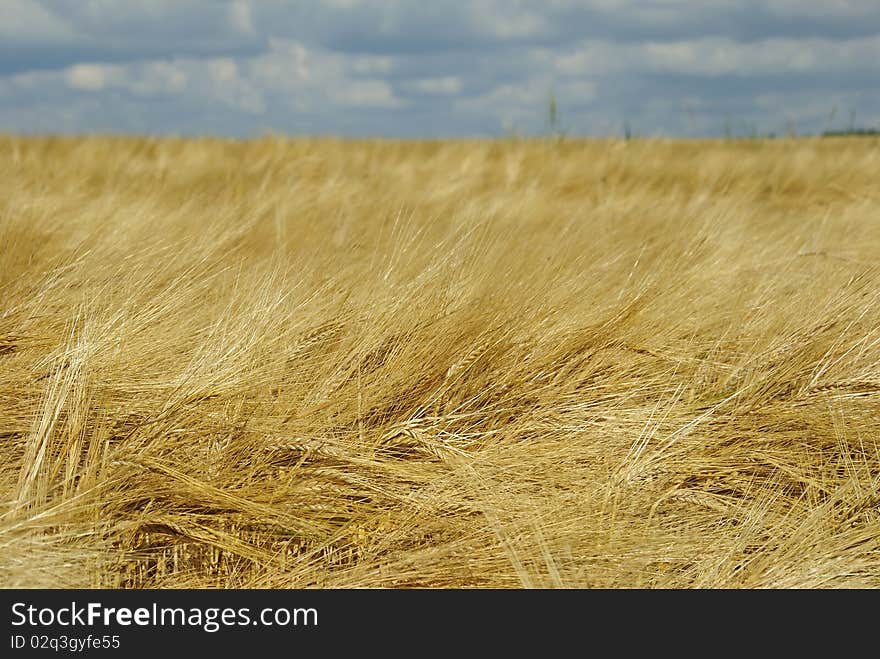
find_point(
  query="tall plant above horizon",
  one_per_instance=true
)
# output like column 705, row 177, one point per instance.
column 554, row 128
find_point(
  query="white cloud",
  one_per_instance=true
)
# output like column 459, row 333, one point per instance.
column 720, row 56
column 526, row 94
column 285, row 66
column 28, row 21
column 371, row 64
column 222, row 69
column 366, row 94
column 92, row 77
column 503, row 20
column 509, row 107
column 313, row 79
column 160, row 78
column 446, row 85
column 240, row 16
column 343, row 4
column 140, row 79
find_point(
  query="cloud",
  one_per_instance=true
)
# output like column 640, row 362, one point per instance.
column 240, row 17
column 91, row 77
column 366, row 93
column 28, row 22
column 55, row 33
column 399, row 67
column 401, row 26
column 445, row 85
column 716, row 56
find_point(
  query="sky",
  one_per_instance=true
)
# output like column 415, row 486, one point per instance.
column 414, row 68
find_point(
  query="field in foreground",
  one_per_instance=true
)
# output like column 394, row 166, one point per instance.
column 453, row 364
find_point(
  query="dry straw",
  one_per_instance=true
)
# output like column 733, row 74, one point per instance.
column 440, row 364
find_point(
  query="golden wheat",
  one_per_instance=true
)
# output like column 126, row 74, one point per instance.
column 321, row 363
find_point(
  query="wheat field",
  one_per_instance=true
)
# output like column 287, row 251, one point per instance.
column 516, row 363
